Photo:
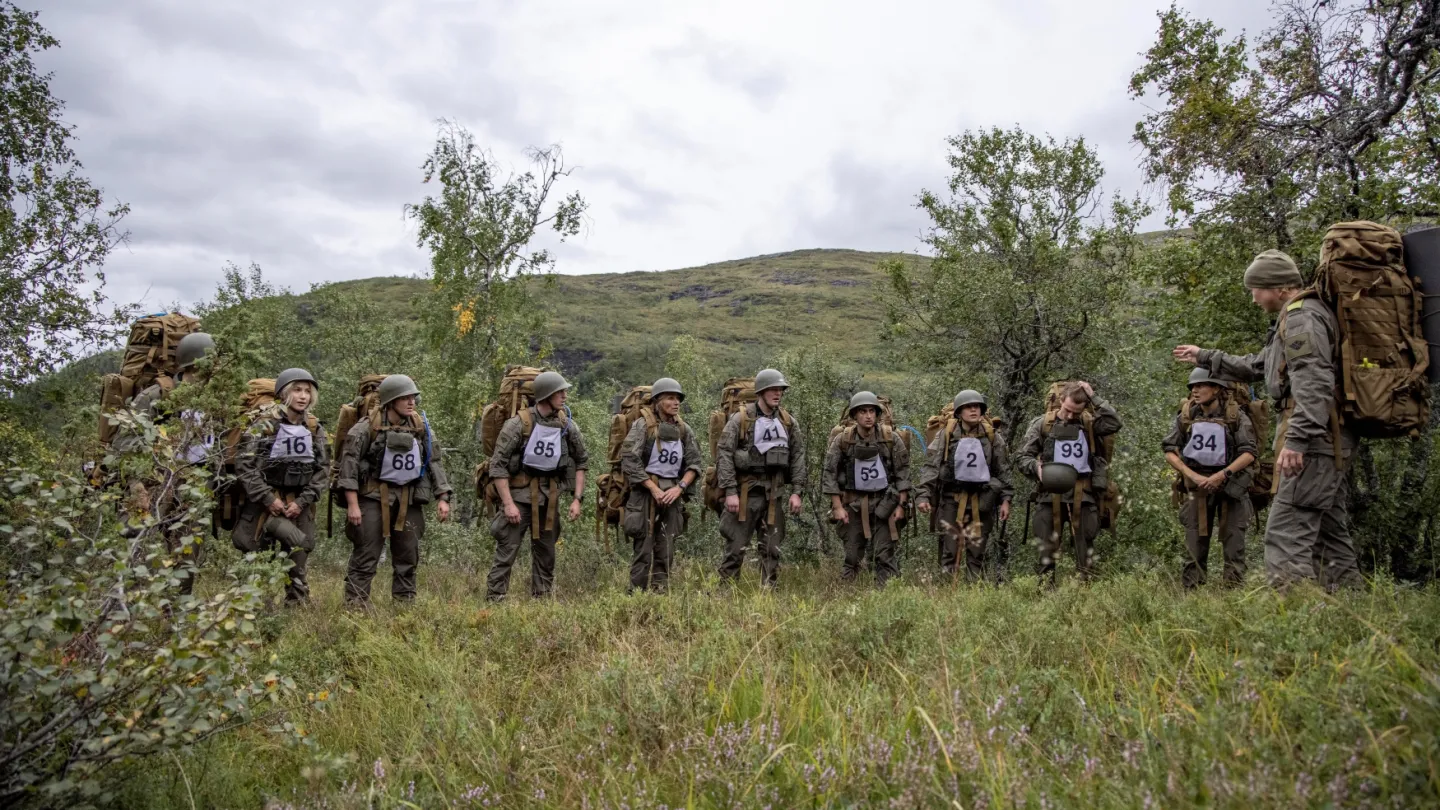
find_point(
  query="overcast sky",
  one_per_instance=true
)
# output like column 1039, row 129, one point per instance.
column 291, row 134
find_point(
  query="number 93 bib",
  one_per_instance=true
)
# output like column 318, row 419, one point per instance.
column 1075, row 452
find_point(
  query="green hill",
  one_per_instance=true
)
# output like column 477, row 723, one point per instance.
column 619, row 325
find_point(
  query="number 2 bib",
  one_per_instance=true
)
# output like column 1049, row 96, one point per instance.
column 292, row 443
column 401, row 468
column 542, row 452
column 1075, row 452
column 1207, row 444
column 970, row 464
column 197, row 445
column 665, row 459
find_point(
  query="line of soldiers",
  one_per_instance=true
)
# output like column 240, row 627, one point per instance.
column 390, row 469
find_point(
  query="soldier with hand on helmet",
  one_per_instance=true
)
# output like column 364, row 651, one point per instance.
column 1212, row 447
column 283, row 466
column 390, row 468
column 661, row 460
column 539, row 458
column 867, row 476
column 760, row 457
column 967, row 470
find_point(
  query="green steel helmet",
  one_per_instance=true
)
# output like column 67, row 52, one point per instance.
column 862, row 399
column 971, row 397
column 666, row 385
column 548, row 384
column 192, row 347
column 1057, row 478
column 293, row 375
column 394, row 387
column 769, row 378
column 1202, row 375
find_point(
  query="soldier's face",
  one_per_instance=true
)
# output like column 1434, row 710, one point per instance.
column 669, row 404
column 557, row 400
column 1070, row 409
column 970, row 415
column 1204, row 393
column 299, row 396
column 404, row 406
column 771, row 397
column 865, row 417
column 1269, row 300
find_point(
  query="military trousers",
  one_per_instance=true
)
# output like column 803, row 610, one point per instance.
column 253, row 532
column 881, row 546
column 508, row 537
column 1084, row 528
column 1307, row 535
column 755, row 521
column 974, row 537
column 367, row 545
column 1226, row 518
column 652, row 530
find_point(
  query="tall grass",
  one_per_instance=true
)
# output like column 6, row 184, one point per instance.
column 1124, row 693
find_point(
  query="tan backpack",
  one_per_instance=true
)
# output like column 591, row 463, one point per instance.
column 149, row 358
column 516, row 394
column 1382, row 355
column 737, row 393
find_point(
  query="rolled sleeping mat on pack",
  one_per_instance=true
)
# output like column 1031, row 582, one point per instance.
column 1422, row 261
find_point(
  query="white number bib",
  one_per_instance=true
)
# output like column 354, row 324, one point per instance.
column 769, row 434
column 542, row 452
column 1207, row 444
column 197, row 447
column 1075, row 452
column 665, row 459
column 292, row 443
column 970, row 464
column 870, row 475
column 401, row 468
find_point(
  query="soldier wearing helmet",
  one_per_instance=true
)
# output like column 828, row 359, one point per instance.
column 660, row 460
column 760, row 458
column 867, row 476
column 283, row 467
column 967, row 477
column 1212, row 447
column 1064, row 451
column 196, row 440
column 390, row 468
column 539, row 462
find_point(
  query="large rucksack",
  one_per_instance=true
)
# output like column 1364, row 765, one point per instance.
column 149, row 358
column 1237, row 398
column 1108, row 503
column 737, row 393
column 1382, row 355
column 611, row 487
column 366, row 399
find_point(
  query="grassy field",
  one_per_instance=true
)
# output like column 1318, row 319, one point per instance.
column 1125, row 693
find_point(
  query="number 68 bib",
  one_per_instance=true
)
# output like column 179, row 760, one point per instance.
column 400, row 468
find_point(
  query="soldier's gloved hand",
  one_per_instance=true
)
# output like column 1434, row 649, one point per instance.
column 575, row 509
column 512, row 513
column 442, row 510
column 1186, row 354
column 796, row 504
column 840, row 515
column 352, row 515
column 924, row 507
column 732, row 504
column 1290, row 462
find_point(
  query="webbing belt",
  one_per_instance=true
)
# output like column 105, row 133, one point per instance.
column 400, row 515
column 1082, row 483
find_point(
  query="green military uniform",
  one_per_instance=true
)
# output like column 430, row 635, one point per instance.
column 1227, row 511
column 968, row 505
column 649, row 454
column 396, row 469
column 289, row 460
column 762, row 481
column 1306, row 531
column 538, row 494
column 1068, row 442
column 868, row 470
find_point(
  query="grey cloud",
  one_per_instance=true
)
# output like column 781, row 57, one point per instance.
column 873, row 208
column 730, row 65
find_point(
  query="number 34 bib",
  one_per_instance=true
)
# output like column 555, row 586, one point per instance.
column 1207, row 444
